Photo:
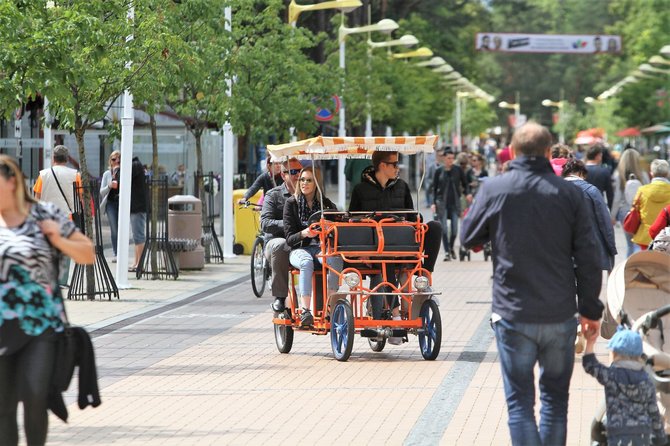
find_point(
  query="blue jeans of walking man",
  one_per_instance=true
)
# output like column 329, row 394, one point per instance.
column 521, row 346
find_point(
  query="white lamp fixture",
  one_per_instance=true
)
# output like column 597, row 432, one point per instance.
column 658, row 60
column 386, row 26
column 294, row 9
column 406, row 40
column 434, row 62
column 421, row 52
column 445, row 68
column 647, row 68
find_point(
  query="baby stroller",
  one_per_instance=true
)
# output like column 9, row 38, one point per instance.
column 638, row 295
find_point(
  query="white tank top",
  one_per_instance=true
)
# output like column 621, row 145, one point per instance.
column 51, row 193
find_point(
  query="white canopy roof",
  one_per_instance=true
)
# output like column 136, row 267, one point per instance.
column 328, row 147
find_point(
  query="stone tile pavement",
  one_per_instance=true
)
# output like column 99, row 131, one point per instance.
column 206, row 371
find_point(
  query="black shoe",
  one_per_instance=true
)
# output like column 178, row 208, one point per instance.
column 453, row 254
column 278, row 305
column 306, row 318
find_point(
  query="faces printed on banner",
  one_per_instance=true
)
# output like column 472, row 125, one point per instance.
column 612, row 46
column 485, row 43
column 597, row 44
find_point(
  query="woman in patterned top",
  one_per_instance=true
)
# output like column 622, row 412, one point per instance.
column 33, row 235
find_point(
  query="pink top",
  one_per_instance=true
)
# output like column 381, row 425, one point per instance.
column 557, row 164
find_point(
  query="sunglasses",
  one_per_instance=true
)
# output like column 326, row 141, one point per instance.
column 115, row 159
column 306, row 180
column 291, row 171
column 394, row 163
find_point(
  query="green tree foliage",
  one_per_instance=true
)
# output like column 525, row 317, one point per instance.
column 276, row 86
column 478, row 116
column 644, row 29
column 74, row 53
column 195, row 83
column 15, row 28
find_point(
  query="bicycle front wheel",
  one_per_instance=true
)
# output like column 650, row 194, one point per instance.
column 258, row 267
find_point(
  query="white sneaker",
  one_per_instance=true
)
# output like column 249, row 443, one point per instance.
column 113, row 259
column 394, row 340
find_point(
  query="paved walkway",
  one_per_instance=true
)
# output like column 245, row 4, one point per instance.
column 179, row 365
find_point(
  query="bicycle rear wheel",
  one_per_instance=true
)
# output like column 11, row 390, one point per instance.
column 258, row 278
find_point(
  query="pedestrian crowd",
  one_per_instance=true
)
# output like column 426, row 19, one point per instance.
column 552, row 243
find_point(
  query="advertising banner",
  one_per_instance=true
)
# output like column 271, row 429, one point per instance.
column 548, row 43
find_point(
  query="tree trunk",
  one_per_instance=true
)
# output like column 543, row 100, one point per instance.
column 197, row 133
column 79, row 132
column 155, row 205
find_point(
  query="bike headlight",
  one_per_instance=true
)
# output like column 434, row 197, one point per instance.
column 352, row 280
column 421, row 283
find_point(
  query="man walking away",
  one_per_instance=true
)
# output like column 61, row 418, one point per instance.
column 598, row 174
column 55, row 186
column 545, row 271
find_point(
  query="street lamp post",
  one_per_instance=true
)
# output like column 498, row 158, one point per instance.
column 516, row 107
column 406, row 40
column 344, row 6
column 385, row 26
column 559, row 105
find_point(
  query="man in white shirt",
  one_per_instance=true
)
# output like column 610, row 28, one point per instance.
column 55, row 185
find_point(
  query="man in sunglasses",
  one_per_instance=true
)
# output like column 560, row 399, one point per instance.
column 380, row 189
column 272, row 224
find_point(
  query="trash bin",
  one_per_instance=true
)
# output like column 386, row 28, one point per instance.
column 185, row 231
column 247, row 221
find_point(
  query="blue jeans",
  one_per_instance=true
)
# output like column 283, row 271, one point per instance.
column 520, row 346
column 303, row 259
column 112, row 211
column 450, row 213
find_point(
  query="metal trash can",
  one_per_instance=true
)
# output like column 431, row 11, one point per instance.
column 185, row 231
column 247, row 221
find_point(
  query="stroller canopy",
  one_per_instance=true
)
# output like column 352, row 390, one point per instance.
column 640, row 284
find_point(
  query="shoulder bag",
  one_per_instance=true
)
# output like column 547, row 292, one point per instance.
column 632, row 220
column 77, row 217
column 73, row 349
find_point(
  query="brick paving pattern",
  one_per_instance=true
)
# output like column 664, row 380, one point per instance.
column 208, row 373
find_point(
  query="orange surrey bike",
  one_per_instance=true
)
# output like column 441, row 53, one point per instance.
column 369, row 243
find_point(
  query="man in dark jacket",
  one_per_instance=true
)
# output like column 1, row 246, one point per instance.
column 449, row 184
column 598, row 174
column 544, row 249
column 272, row 224
column 380, row 189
